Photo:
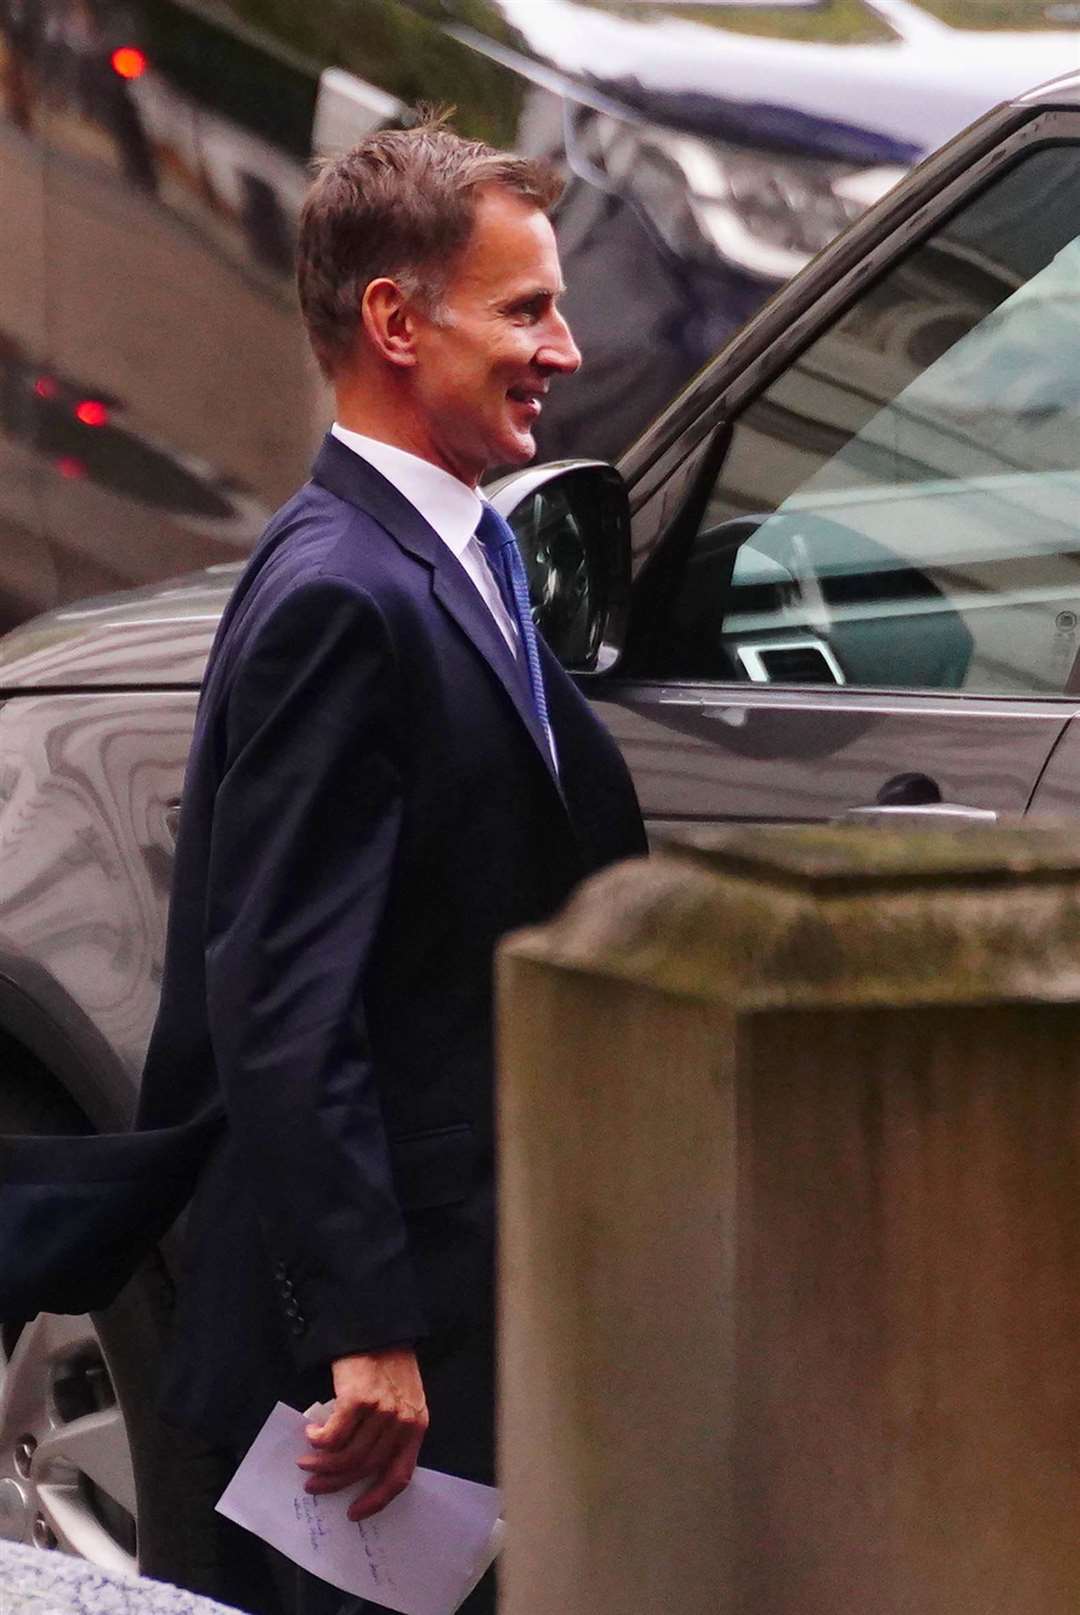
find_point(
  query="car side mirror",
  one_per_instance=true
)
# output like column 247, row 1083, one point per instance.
column 572, row 524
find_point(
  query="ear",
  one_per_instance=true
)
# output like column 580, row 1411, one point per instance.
column 389, row 322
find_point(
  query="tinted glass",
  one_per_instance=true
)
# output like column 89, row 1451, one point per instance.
column 902, row 506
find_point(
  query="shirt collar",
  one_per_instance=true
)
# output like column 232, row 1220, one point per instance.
column 446, row 504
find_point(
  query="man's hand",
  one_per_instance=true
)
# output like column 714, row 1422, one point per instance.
column 374, row 1433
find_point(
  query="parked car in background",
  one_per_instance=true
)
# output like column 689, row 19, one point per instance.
column 712, row 150
column 155, row 399
column 840, row 575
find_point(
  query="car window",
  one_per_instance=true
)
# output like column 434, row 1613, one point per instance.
column 901, row 506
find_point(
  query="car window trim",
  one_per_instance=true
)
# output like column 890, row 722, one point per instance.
column 889, row 699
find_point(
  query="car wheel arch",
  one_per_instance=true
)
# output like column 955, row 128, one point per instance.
column 39, row 1024
column 176, row 1478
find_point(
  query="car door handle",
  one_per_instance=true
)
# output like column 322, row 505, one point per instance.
column 929, row 813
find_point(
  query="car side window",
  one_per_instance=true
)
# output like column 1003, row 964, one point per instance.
column 901, row 506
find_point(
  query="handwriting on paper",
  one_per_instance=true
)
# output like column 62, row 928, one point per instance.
column 421, row 1555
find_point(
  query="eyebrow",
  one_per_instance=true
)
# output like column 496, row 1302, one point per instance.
column 534, row 293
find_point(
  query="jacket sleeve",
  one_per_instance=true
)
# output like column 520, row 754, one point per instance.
column 305, row 827
column 78, row 1214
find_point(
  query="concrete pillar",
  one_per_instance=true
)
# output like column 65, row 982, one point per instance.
column 790, row 1261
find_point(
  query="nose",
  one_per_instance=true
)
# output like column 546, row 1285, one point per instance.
column 558, row 351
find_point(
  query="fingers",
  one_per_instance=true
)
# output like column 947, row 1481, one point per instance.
column 388, row 1462
column 374, row 1432
column 374, row 1441
column 388, row 1485
column 370, row 1452
column 338, row 1428
column 352, row 1421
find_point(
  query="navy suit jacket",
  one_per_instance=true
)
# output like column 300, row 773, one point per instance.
column 370, row 805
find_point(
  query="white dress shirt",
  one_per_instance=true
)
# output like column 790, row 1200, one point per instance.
column 447, row 505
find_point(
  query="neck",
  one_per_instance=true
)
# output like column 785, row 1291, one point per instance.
column 385, row 414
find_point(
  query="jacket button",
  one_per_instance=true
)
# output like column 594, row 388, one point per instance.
column 298, row 1326
column 280, row 1270
column 292, row 1310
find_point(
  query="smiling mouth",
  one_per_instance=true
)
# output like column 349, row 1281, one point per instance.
column 531, row 398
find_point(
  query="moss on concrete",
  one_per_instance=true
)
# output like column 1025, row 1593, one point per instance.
column 846, row 916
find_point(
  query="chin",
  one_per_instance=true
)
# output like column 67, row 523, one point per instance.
column 518, row 450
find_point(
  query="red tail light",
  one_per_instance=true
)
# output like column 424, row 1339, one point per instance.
column 92, row 412
column 129, row 62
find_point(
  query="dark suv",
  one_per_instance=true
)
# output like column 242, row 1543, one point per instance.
column 840, row 575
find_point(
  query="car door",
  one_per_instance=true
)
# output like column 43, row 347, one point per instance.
column 869, row 593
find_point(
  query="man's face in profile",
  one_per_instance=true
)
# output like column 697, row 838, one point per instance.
column 486, row 357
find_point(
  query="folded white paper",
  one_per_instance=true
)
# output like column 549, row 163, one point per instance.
column 421, row 1555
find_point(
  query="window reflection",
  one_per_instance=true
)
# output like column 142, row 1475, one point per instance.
column 165, row 400
column 906, row 497
column 81, row 454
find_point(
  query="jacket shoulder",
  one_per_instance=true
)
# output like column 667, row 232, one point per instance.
column 315, row 538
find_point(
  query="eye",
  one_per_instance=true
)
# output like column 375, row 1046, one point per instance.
column 529, row 311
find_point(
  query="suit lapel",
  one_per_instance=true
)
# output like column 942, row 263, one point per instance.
column 350, row 477
column 457, row 594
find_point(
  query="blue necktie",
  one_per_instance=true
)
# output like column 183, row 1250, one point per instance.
column 500, row 547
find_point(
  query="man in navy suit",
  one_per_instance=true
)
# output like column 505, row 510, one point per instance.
column 389, row 773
